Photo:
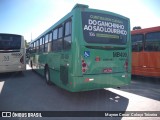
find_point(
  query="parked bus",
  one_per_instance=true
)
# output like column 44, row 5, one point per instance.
column 87, row 49
column 146, row 52
column 12, row 53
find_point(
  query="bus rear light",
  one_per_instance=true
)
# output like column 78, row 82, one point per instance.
column 70, row 83
column 84, row 66
column 126, row 65
column 83, row 70
column 97, row 59
column 22, row 60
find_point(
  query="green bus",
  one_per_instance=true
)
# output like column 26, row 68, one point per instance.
column 85, row 50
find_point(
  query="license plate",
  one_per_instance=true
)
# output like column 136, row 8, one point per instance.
column 107, row 70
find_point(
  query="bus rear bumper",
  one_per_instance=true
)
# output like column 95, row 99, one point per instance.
column 92, row 82
column 12, row 68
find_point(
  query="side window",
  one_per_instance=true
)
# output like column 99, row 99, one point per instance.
column 67, row 37
column 50, row 36
column 43, row 40
column 60, row 32
column 152, row 41
column 40, row 47
column 55, row 34
column 40, row 43
column 32, row 44
column 33, row 47
column 137, row 42
column 57, row 40
column 37, row 46
column 46, row 43
column 46, row 38
column 68, row 28
column 50, row 42
column 43, row 43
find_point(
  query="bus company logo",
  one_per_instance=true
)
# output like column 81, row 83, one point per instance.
column 6, row 114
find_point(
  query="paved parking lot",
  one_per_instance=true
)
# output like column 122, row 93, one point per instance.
column 29, row 92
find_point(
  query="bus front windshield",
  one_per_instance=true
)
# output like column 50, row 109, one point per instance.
column 104, row 28
column 10, row 42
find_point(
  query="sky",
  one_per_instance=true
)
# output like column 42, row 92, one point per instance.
column 33, row 17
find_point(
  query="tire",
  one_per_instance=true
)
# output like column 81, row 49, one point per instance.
column 31, row 64
column 47, row 76
column 20, row 72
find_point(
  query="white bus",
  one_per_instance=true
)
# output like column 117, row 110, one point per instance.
column 12, row 53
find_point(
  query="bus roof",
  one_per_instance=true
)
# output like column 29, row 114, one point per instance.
column 9, row 34
column 146, row 30
column 80, row 6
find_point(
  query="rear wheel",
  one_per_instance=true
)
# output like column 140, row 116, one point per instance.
column 31, row 64
column 47, row 75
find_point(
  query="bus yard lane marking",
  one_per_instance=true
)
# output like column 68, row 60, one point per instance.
column 1, row 85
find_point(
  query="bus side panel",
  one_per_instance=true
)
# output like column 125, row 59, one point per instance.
column 52, row 61
column 151, row 64
column 39, row 61
column 59, row 65
column 137, row 62
column 146, row 63
column 55, row 76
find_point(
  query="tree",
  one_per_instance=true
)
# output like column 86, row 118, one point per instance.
column 26, row 44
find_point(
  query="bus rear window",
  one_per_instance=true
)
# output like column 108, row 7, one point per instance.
column 10, row 42
column 104, row 28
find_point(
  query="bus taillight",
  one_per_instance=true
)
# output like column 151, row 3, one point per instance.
column 126, row 65
column 84, row 66
column 22, row 60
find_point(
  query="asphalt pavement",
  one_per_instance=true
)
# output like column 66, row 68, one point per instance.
column 29, row 92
